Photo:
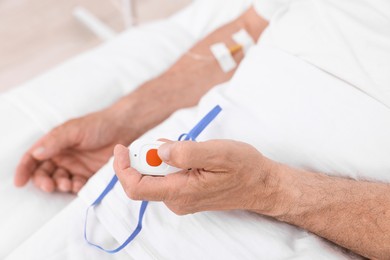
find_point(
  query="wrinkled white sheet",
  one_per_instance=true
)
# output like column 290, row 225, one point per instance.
column 284, row 118
column 349, row 39
column 87, row 83
column 300, row 115
column 292, row 112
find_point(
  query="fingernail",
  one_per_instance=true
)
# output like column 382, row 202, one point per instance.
column 64, row 187
column 45, row 188
column 164, row 151
column 39, row 151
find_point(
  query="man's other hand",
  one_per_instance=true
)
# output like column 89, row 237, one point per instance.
column 221, row 175
column 67, row 156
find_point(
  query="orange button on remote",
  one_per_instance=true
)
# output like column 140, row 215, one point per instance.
column 152, row 158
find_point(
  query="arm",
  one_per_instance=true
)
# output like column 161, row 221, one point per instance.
column 68, row 155
column 189, row 79
column 353, row 214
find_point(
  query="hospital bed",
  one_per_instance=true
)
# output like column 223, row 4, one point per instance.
column 35, row 225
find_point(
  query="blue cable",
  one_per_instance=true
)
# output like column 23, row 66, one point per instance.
column 192, row 135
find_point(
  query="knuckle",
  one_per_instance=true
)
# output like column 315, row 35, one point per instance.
column 177, row 208
column 133, row 194
column 68, row 124
column 69, row 132
column 59, row 132
column 233, row 155
column 218, row 152
column 180, row 211
column 179, row 153
column 56, row 132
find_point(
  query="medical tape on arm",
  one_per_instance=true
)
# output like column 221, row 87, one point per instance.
column 224, row 57
column 243, row 38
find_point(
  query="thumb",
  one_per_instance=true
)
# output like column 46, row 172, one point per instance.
column 188, row 154
column 54, row 142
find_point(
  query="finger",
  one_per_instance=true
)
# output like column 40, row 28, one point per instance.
column 25, row 169
column 77, row 183
column 128, row 177
column 160, row 188
column 72, row 164
column 188, row 154
column 64, row 136
column 62, row 180
column 42, row 177
column 165, row 140
column 122, row 166
column 138, row 187
column 121, row 157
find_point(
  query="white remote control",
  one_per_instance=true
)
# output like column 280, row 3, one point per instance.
column 144, row 158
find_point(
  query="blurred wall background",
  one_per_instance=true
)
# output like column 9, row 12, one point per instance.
column 36, row 35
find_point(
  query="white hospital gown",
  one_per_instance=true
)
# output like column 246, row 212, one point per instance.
column 348, row 39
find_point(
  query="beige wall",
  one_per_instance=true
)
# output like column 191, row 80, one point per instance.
column 35, row 35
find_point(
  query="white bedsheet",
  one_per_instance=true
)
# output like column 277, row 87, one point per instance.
column 87, row 83
column 349, row 39
column 301, row 116
column 306, row 118
column 284, row 118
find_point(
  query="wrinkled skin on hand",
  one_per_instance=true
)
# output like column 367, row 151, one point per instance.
column 67, row 156
column 222, row 175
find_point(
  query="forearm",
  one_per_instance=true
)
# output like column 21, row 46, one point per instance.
column 187, row 80
column 353, row 214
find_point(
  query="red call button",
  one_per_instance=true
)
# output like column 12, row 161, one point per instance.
column 152, row 158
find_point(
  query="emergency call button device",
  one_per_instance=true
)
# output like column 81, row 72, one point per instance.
column 144, row 158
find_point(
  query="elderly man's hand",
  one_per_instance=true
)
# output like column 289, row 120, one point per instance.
column 67, row 156
column 219, row 175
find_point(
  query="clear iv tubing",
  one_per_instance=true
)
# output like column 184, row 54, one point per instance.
column 196, row 56
column 233, row 49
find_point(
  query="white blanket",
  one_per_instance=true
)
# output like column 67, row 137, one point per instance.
column 291, row 111
column 87, row 83
column 307, row 118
